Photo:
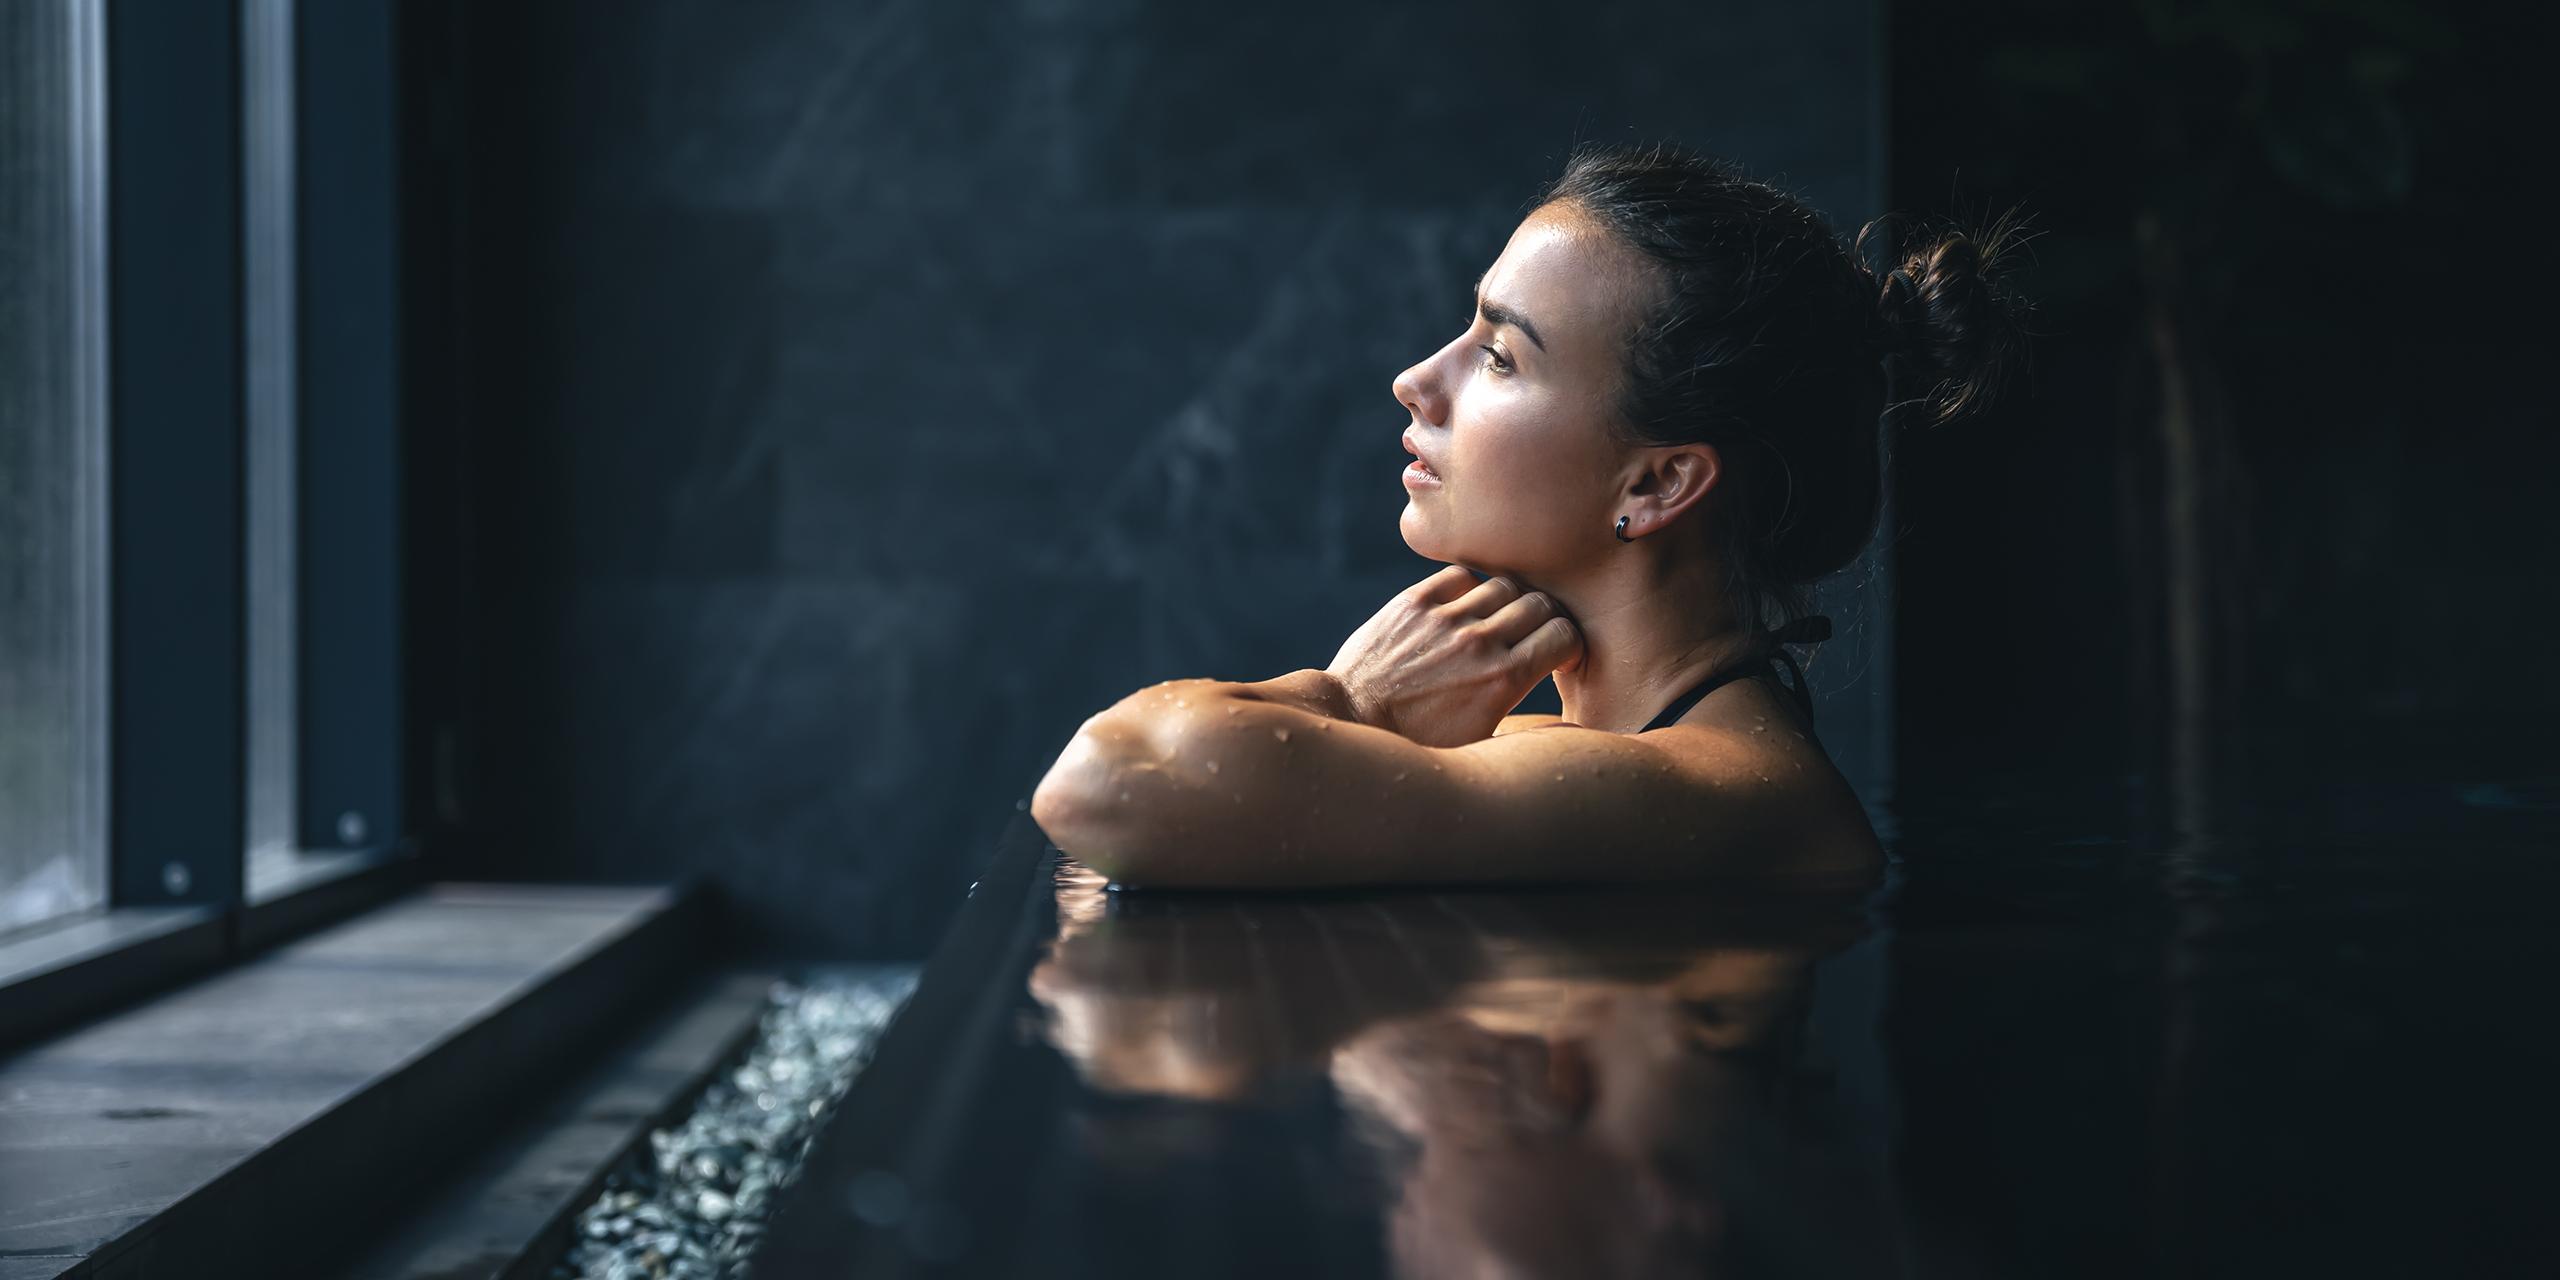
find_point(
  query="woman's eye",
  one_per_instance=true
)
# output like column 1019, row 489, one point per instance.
column 1495, row 357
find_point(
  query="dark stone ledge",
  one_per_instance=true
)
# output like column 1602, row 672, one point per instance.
column 267, row 1116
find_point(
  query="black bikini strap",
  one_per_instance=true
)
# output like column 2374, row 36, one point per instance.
column 1809, row 629
column 1679, row 707
column 1802, row 691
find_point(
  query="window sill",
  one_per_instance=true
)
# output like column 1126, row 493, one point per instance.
column 271, row 1113
column 55, row 975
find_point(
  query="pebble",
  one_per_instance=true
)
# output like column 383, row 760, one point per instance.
column 692, row 1204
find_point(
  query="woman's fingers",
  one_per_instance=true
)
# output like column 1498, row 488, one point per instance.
column 1555, row 645
column 1442, row 587
column 1539, row 632
column 1488, row 596
column 1515, row 620
column 1530, row 622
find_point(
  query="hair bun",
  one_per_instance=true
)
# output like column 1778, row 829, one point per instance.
column 1897, row 302
column 1944, row 317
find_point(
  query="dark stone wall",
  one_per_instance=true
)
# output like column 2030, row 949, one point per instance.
column 2372, row 416
column 821, row 409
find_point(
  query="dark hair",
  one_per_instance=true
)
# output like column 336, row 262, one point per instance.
column 1767, row 337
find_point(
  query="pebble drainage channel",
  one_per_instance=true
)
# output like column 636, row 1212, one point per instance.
column 693, row 1205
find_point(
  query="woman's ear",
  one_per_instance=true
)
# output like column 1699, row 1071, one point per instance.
column 1679, row 476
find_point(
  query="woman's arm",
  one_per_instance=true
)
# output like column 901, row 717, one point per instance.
column 1315, row 692
column 1274, row 796
column 1130, row 742
column 1436, row 668
column 1310, row 690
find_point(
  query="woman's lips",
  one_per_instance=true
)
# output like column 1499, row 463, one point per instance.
column 1419, row 473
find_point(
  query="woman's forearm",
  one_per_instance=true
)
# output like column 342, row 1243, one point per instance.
column 1310, row 690
column 1087, row 798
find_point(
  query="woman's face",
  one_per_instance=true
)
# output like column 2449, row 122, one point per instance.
column 1511, row 416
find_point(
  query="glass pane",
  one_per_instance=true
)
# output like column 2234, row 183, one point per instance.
column 279, row 859
column 53, row 859
column 266, row 65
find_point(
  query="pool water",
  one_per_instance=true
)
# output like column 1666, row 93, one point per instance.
column 2310, row 1039
column 2074, row 1034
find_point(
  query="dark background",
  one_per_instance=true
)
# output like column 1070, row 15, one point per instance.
column 2343, row 193
column 816, row 411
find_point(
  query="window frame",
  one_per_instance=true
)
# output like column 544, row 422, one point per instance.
column 172, row 82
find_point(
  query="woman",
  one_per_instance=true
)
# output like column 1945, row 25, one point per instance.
column 1658, row 430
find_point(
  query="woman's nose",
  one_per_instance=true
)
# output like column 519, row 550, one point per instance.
column 1408, row 388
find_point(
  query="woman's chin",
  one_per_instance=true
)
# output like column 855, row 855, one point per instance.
column 1417, row 534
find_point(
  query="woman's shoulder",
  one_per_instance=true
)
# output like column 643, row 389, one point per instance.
column 1752, row 734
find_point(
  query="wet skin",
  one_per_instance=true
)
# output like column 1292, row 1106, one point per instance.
column 1399, row 760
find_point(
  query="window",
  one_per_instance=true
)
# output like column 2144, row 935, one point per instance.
column 201, row 689
column 53, row 479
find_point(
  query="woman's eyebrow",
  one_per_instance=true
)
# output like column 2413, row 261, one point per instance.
column 1500, row 314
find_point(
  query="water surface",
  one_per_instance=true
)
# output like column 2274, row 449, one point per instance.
column 2078, row 1032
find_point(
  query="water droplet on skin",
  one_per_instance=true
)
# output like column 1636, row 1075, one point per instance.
column 1239, row 797
column 1759, row 728
column 1233, row 710
column 1435, row 768
column 1324, row 724
column 1399, row 777
column 1213, row 766
column 1764, row 777
column 1182, row 702
column 1281, row 734
column 1124, row 795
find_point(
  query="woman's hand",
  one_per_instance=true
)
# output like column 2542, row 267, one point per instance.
column 1448, row 657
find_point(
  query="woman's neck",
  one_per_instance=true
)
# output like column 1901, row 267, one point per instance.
column 1649, row 630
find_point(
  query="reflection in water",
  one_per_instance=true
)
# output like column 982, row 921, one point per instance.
column 1620, row 1082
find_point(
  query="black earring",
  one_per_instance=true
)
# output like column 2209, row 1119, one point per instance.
column 1622, row 530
